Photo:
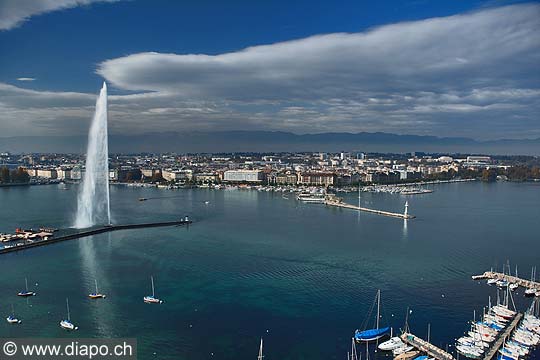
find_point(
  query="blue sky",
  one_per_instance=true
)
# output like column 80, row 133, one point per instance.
column 229, row 65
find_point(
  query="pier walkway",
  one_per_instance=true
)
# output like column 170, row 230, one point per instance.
column 91, row 232
column 425, row 347
column 502, row 338
column 373, row 211
column 511, row 279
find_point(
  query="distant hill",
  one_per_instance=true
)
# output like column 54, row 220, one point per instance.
column 263, row 141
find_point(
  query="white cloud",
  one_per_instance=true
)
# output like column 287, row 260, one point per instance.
column 14, row 12
column 489, row 48
column 26, row 79
column 473, row 75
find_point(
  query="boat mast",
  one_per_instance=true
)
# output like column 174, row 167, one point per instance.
column 153, row 292
column 95, row 280
column 353, row 351
column 67, row 305
column 260, row 357
column 26, row 283
column 378, row 306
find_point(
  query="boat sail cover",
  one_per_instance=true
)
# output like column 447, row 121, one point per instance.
column 371, row 334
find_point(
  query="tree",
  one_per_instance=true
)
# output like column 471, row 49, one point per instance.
column 489, row 175
column 4, row 175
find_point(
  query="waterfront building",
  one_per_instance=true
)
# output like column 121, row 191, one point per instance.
column 243, row 175
column 47, row 173
column 206, row 178
column 317, row 178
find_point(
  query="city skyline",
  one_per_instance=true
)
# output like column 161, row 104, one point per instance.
column 449, row 70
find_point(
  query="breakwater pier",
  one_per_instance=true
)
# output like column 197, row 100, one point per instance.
column 90, row 232
column 425, row 347
column 341, row 204
column 502, row 338
column 509, row 278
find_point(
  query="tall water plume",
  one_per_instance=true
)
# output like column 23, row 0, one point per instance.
column 93, row 205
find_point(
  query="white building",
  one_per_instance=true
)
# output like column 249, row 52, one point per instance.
column 255, row 176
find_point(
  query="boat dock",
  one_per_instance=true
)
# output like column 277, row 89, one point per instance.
column 426, row 347
column 337, row 203
column 502, row 338
column 511, row 279
column 91, row 232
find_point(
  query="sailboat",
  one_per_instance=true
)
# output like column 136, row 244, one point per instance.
column 27, row 292
column 11, row 318
column 260, row 357
column 373, row 334
column 96, row 295
column 151, row 299
column 531, row 291
column 67, row 324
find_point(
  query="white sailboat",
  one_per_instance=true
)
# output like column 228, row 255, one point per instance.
column 151, row 299
column 66, row 323
column 26, row 293
column 97, row 294
column 532, row 291
column 11, row 318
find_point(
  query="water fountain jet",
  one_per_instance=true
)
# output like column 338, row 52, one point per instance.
column 93, row 205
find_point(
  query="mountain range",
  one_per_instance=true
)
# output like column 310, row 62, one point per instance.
column 272, row 141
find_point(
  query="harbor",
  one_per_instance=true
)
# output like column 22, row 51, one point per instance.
column 509, row 279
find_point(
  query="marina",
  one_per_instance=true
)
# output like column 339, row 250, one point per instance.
column 509, row 279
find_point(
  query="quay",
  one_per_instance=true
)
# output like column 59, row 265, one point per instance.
column 511, row 279
column 95, row 231
column 502, row 338
column 337, row 203
column 426, row 347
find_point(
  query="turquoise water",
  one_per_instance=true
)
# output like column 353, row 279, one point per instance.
column 255, row 264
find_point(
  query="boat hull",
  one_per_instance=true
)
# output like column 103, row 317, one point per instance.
column 371, row 335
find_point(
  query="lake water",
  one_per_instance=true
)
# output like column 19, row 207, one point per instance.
column 255, row 264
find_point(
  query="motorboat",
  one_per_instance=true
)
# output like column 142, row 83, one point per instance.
column 391, row 344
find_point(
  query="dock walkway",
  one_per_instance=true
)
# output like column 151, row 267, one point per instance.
column 511, row 279
column 428, row 348
column 373, row 211
column 91, row 232
column 502, row 338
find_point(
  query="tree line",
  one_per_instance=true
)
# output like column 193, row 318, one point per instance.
column 15, row 176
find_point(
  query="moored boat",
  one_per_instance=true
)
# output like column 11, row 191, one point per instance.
column 151, row 299
column 66, row 323
column 26, row 292
column 391, row 344
column 96, row 294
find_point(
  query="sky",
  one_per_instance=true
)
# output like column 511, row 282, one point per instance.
column 442, row 68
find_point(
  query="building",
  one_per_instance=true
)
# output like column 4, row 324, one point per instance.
column 286, row 178
column 149, row 173
column 47, row 173
column 241, row 176
column 206, row 178
column 380, row 177
column 63, row 173
column 317, row 178
column 478, row 159
column 177, row 175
